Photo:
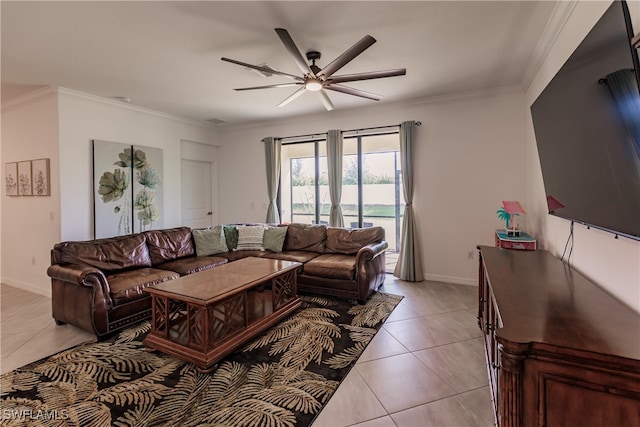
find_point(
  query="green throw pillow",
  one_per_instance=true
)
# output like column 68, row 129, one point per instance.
column 231, row 235
column 274, row 238
column 210, row 241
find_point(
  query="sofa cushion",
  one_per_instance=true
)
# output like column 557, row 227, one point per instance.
column 209, row 241
column 250, row 238
column 231, row 236
column 193, row 264
column 110, row 254
column 129, row 285
column 334, row 266
column 236, row 255
column 297, row 256
column 165, row 245
column 306, row 237
column 350, row 241
column 274, row 238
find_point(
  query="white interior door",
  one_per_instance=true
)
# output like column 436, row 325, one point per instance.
column 198, row 182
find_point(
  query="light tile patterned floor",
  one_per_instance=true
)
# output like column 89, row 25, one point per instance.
column 424, row 368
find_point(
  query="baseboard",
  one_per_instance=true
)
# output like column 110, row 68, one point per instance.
column 27, row 287
column 450, row 279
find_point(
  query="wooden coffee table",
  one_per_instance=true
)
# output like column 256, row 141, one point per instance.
column 202, row 317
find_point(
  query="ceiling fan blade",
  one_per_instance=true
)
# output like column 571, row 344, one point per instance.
column 352, row 91
column 269, row 86
column 324, row 98
column 347, row 56
column 291, row 97
column 294, row 51
column 267, row 70
column 367, row 76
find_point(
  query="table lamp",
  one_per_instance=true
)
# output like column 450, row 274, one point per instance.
column 513, row 208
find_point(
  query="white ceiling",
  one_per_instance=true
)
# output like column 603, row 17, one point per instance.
column 165, row 55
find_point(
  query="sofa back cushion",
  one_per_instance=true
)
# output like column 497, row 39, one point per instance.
column 306, row 237
column 349, row 241
column 165, row 245
column 111, row 254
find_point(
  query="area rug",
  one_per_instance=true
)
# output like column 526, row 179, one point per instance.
column 282, row 378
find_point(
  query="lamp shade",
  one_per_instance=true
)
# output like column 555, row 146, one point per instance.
column 513, row 207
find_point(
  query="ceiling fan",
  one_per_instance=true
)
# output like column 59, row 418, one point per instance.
column 316, row 79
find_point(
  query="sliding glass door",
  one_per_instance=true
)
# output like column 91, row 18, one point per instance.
column 304, row 183
column 371, row 185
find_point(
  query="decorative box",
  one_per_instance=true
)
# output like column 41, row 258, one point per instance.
column 522, row 242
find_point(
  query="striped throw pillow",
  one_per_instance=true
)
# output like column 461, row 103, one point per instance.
column 250, row 238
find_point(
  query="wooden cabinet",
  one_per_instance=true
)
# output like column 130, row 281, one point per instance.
column 560, row 350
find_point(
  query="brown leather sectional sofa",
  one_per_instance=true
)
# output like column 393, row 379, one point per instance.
column 98, row 285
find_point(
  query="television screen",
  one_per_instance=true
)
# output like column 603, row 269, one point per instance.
column 587, row 128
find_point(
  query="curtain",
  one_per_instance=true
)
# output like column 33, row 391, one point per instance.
column 409, row 266
column 272, row 157
column 334, row 166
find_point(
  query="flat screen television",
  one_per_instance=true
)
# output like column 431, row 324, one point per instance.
column 587, row 129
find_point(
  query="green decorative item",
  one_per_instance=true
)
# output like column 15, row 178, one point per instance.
column 504, row 216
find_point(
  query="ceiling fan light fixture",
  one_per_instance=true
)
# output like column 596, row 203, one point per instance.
column 313, row 85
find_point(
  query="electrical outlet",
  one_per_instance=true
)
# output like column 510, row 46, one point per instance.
column 470, row 254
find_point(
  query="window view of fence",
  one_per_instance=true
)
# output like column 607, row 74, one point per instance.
column 371, row 184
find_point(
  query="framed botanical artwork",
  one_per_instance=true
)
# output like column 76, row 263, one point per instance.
column 11, row 179
column 40, row 178
column 24, row 178
column 127, row 189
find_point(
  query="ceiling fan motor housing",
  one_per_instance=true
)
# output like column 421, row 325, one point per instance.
column 313, row 56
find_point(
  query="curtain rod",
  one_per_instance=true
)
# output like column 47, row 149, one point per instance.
column 344, row 131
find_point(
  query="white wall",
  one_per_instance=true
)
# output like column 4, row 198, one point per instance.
column 85, row 117
column 469, row 156
column 61, row 126
column 612, row 263
column 30, row 225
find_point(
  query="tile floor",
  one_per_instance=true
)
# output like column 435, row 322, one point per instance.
column 425, row 367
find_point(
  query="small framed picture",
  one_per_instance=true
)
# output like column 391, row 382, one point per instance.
column 40, row 177
column 24, row 178
column 11, row 179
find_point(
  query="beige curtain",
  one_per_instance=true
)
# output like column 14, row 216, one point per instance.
column 409, row 266
column 334, row 166
column 272, row 157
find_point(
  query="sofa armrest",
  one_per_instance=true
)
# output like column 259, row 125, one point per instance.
column 369, row 252
column 82, row 275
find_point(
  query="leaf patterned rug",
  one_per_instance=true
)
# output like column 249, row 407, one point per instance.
column 282, row 378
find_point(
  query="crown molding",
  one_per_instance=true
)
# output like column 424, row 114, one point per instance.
column 313, row 118
column 556, row 23
column 46, row 92
column 31, row 97
column 131, row 107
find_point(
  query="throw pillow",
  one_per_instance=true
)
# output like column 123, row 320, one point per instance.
column 210, row 241
column 250, row 238
column 274, row 238
column 231, row 236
